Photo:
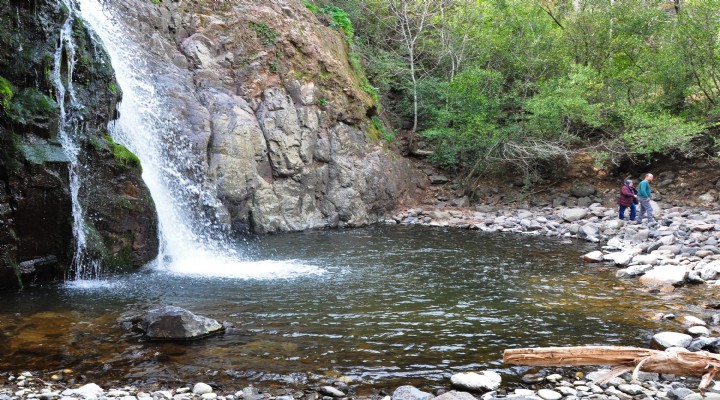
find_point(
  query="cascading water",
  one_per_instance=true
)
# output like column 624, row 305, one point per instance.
column 193, row 240
column 84, row 265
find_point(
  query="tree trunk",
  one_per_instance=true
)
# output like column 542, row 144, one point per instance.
column 625, row 359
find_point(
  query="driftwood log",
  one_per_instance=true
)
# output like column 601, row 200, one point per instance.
column 625, row 359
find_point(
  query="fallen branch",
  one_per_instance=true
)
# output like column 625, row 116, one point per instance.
column 625, row 359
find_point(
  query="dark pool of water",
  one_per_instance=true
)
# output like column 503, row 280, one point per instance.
column 393, row 305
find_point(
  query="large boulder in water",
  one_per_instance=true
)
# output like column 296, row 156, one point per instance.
column 175, row 323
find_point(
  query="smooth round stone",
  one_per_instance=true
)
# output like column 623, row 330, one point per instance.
column 547, row 394
column 202, row 388
column 209, row 396
column 631, row 389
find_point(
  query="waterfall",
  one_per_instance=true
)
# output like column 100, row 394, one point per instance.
column 193, row 238
column 83, row 265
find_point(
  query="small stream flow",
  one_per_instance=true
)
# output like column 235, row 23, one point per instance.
column 83, row 265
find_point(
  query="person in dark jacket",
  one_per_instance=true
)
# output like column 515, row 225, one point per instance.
column 628, row 198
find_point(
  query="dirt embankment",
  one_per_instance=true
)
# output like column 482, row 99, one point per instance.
column 683, row 183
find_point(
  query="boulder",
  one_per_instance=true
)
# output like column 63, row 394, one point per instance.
column 573, row 214
column 582, row 190
column 665, row 340
column 665, row 275
column 593, row 257
column 175, row 323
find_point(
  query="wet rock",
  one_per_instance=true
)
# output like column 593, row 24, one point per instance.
column 175, row 323
column 573, row 214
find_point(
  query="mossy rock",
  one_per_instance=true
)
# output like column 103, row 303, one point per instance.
column 122, row 154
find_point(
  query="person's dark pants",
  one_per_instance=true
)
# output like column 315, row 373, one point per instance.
column 645, row 208
column 621, row 214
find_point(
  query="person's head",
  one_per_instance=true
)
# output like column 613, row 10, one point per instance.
column 649, row 177
column 629, row 182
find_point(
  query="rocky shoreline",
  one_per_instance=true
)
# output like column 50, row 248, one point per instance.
column 463, row 386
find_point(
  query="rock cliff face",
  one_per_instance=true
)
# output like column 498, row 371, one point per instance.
column 274, row 110
column 36, row 215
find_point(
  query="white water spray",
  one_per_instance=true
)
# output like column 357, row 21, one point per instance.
column 192, row 239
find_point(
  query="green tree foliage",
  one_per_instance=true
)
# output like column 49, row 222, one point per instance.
column 515, row 85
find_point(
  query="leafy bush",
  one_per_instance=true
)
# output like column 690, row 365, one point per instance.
column 649, row 134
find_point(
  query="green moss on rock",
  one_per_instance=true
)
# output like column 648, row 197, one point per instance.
column 122, row 154
column 6, row 93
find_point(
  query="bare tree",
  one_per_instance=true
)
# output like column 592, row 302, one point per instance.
column 455, row 36
column 413, row 19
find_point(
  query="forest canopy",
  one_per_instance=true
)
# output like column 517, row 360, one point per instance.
column 517, row 85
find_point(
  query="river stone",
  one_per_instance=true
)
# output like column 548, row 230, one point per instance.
column 582, row 190
column 614, row 224
column 573, row 214
column 175, row 323
column 619, row 258
column 408, row 392
column 698, row 331
column 614, row 243
column 632, row 271
column 331, row 391
column 202, row 388
column 455, row 395
column 649, row 259
column 547, row 394
column 477, row 381
column 631, row 389
column 588, row 231
column 680, row 393
column 664, row 340
column 665, row 275
column 567, row 390
column 593, row 256
column 90, row 390
column 688, row 321
column 706, row 198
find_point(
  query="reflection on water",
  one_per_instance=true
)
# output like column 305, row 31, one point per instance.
column 388, row 305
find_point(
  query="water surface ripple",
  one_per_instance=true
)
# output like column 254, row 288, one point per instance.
column 383, row 305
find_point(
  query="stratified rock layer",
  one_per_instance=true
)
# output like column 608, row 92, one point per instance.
column 274, row 110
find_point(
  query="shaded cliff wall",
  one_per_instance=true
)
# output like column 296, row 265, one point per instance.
column 274, row 109
column 36, row 236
